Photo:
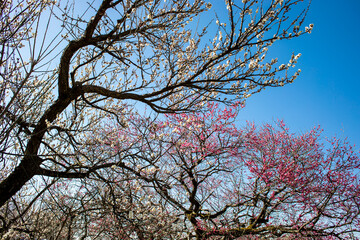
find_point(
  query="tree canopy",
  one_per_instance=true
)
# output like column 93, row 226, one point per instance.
column 118, row 121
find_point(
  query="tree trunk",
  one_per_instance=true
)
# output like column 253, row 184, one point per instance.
column 27, row 169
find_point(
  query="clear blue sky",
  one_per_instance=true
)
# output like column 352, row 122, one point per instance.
column 327, row 92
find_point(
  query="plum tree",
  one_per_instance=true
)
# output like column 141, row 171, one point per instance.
column 248, row 182
column 66, row 67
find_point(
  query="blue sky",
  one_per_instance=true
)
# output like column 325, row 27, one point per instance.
column 327, row 91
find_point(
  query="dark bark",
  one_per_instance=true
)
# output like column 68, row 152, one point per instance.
column 30, row 164
column 16, row 180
